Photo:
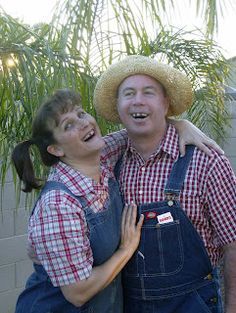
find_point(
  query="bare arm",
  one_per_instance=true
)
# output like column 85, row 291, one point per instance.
column 190, row 134
column 230, row 277
column 101, row 276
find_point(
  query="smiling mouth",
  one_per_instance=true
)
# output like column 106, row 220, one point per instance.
column 139, row 115
column 89, row 135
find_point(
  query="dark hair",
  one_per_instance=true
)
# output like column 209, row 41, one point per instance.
column 46, row 119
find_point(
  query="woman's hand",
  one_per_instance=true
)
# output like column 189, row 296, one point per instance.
column 130, row 231
column 102, row 275
column 190, row 134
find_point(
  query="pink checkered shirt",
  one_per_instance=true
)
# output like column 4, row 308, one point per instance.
column 208, row 196
column 58, row 230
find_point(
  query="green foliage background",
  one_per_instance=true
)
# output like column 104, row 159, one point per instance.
column 79, row 43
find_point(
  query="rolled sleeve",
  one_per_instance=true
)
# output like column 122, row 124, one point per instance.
column 59, row 234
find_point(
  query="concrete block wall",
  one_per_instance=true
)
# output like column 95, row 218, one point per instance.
column 14, row 264
column 229, row 145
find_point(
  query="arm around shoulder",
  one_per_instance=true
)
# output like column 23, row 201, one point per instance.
column 190, row 134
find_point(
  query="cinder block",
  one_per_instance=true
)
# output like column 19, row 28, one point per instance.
column 7, row 277
column 231, row 106
column 23, row 271
column 231, row 131
column 9, row 198
column 9, row 176
column 21, row 221
column 6, row 223
column 230, row 147
column 13, row 249
column 8, row 300
column 233, row 163
column 232, row 109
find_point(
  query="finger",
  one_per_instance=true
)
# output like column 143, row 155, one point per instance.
column 140, row 222
column 130, row 214
column 124, row 217
column 214, row 145
column 133, row 214
column 182, row 145
column 205, row 149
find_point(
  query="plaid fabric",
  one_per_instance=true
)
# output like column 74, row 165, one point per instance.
column 58, row 230
column 208, row 196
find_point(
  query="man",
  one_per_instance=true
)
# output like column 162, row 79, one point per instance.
column 189, row 203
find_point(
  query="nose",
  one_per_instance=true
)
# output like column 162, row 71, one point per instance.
column 139, row 98
column 82, row 123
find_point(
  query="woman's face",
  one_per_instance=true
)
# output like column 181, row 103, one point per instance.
column 77, row 135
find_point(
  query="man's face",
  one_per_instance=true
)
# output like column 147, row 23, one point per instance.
column 142, row 106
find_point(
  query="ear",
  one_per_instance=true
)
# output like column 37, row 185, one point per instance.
column 167, row 103
column 55, row 150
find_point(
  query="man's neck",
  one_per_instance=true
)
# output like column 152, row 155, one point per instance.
column 146, row 146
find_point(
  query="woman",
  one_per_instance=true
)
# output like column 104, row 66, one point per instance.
column 74, row 224
column 74, row 228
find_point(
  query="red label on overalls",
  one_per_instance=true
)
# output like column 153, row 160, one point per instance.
column 149, row 215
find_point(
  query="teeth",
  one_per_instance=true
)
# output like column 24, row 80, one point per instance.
column 89, row 135
column 139, row 115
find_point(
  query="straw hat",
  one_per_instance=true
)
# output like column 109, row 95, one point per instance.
column 177, row 85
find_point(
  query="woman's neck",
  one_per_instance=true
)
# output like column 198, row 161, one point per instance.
column 89, row 167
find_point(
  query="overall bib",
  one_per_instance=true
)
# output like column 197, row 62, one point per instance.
column 171, row 271
column 40, row 296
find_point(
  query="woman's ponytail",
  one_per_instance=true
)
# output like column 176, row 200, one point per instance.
column 24, row 166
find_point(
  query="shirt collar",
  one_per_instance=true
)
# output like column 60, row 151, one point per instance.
column 169, row 144
column 74, row 180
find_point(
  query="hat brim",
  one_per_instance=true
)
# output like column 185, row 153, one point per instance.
column 177, row 85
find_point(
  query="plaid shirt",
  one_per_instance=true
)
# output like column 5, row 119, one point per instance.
column 208, row 196
column 58, row 230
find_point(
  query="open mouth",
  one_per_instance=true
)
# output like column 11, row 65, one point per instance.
column 89, row 135
column 139, row 115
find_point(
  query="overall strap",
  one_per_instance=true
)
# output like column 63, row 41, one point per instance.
column 178, row 172
column 54, row 185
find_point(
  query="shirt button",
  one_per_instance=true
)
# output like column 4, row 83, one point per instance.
column 140, row 192
column 143, row 169
column 170, row 202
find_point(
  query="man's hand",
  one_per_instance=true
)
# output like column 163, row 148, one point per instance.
column 190, row 134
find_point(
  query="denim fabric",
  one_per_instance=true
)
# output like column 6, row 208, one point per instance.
column 40, row 296
column 171, row 271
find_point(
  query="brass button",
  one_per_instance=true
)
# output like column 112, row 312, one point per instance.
column 209, row 276
column 170, row 202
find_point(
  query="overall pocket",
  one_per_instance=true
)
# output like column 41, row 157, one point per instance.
column 160, row 252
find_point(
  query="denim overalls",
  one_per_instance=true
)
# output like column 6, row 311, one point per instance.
column 40, row 296
column 171, row 271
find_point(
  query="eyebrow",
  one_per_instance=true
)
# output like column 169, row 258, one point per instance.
column 64, row 120
column 133, row 88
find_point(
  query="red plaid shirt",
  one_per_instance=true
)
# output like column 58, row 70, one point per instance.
column 208, row 196
column 58, row 230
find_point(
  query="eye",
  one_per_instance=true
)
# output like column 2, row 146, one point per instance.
column 69, row 125
column 149, row 92
column 129, row 93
